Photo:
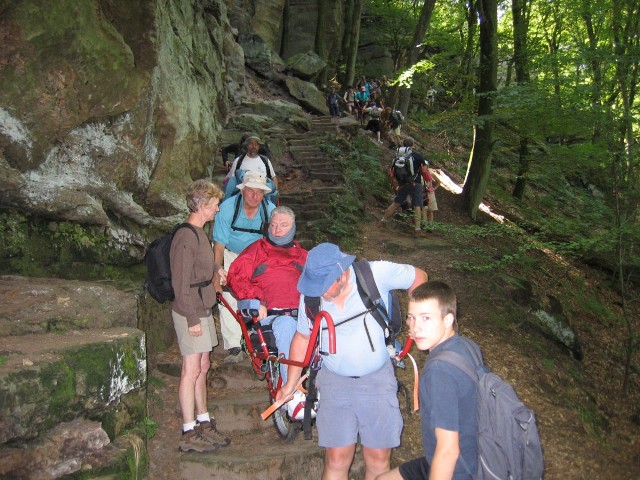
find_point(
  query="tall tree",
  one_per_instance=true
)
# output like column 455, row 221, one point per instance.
column 466, row 67
column 414, row 49
column 479, row 167
column 321, row 38
column 354, row 37
column 521, row 14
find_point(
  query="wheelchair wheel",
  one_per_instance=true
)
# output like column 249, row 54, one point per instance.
column 287, row 429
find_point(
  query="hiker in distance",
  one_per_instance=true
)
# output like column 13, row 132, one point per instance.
column 241, row 222
column 250, row 161
column 357, row 385
column 192, row 267
column 408, row 169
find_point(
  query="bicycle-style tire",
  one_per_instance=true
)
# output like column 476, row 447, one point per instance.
column 286, row 428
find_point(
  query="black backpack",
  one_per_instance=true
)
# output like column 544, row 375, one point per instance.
column 508, row 440
column 402, row 167
column 390, row 322
column 264, row 159
column 157, row 259
column 397, row 117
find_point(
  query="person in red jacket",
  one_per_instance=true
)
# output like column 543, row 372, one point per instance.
column 267, row 273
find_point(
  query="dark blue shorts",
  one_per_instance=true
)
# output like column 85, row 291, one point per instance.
column 415, row 190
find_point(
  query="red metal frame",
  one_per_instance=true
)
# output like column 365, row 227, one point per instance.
column 259, row 357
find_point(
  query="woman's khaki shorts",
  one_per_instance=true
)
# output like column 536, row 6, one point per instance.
column 190, row 344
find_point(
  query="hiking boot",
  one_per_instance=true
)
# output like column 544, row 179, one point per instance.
column 235, row 355
column 209, row 431
column 194, row 441
column 419, row 234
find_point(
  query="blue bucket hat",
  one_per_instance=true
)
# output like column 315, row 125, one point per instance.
column 325, row 263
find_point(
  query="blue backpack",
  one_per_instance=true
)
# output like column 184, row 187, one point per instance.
column 508, row 441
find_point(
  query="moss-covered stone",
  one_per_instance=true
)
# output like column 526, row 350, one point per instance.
column 77, row 376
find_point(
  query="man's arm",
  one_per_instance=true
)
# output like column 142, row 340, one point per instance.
column 421, row 277
column 218, row 255
column 297, row 351
column 445, row 456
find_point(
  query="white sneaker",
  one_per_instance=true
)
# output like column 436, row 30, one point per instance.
column 295, row 406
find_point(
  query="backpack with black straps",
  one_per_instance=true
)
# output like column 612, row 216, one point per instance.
column 389, row 319
column 508, row 441
column 158, row 262
column 263, row 215
column 402, row 167
column 397, row 117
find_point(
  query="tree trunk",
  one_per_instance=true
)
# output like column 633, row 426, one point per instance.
column 352, row 53
column 284, row 38
column 521, row 13
column 321, row 39
column 414, row 49
column 468, row 78
column 479, row 168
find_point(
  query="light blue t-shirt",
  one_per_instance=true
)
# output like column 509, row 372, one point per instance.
column 354, row 357
column 236, row 240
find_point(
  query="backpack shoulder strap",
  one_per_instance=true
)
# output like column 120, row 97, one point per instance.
column 236, row 210
column 370, row 294
column 240, row 160
column 456, row 360
column 265, row 160
column 311, row 307
column 189, row 226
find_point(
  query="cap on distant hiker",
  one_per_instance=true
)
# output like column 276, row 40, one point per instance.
column 253, row 138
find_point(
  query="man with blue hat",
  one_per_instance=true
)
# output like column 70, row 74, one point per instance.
column 357, row 385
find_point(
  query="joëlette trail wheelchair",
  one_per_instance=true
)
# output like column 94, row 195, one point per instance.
column 266, row 365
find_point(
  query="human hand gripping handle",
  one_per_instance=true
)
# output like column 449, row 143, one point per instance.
column 283, row 397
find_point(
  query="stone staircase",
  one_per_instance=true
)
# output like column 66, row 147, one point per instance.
column 321, row 176
column 257, row 451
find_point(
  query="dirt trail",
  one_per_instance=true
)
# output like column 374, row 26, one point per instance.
column 571, row 450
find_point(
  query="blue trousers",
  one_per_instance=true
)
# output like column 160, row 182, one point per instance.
column 284, row 328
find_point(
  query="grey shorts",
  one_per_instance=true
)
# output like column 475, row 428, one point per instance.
column 366, row 406
column 190, row 344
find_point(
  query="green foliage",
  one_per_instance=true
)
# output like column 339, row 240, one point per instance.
column 149, row 427
column 3, row 359
column 595, row 423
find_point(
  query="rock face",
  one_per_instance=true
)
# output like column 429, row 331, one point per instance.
column 109, row 109
column 87, row 365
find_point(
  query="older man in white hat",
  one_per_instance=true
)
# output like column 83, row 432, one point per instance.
column 240, row 222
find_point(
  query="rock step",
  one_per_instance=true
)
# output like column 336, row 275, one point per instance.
column 259, row 454
column 48, row 379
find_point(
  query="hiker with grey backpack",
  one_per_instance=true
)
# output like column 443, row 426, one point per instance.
column 473, row 424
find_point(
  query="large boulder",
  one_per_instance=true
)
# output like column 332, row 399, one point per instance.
column 308, row 95
column 108, row 110
column 305, row 65
column 257, row 54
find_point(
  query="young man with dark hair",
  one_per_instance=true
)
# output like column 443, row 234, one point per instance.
column 448, row 397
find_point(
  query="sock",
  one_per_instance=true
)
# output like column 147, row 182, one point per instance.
column 203, row 417
column 188, row 426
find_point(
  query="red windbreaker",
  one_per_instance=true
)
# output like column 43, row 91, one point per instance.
column 268, row 273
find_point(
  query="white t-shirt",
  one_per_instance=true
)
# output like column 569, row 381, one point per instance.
column 254, row 164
